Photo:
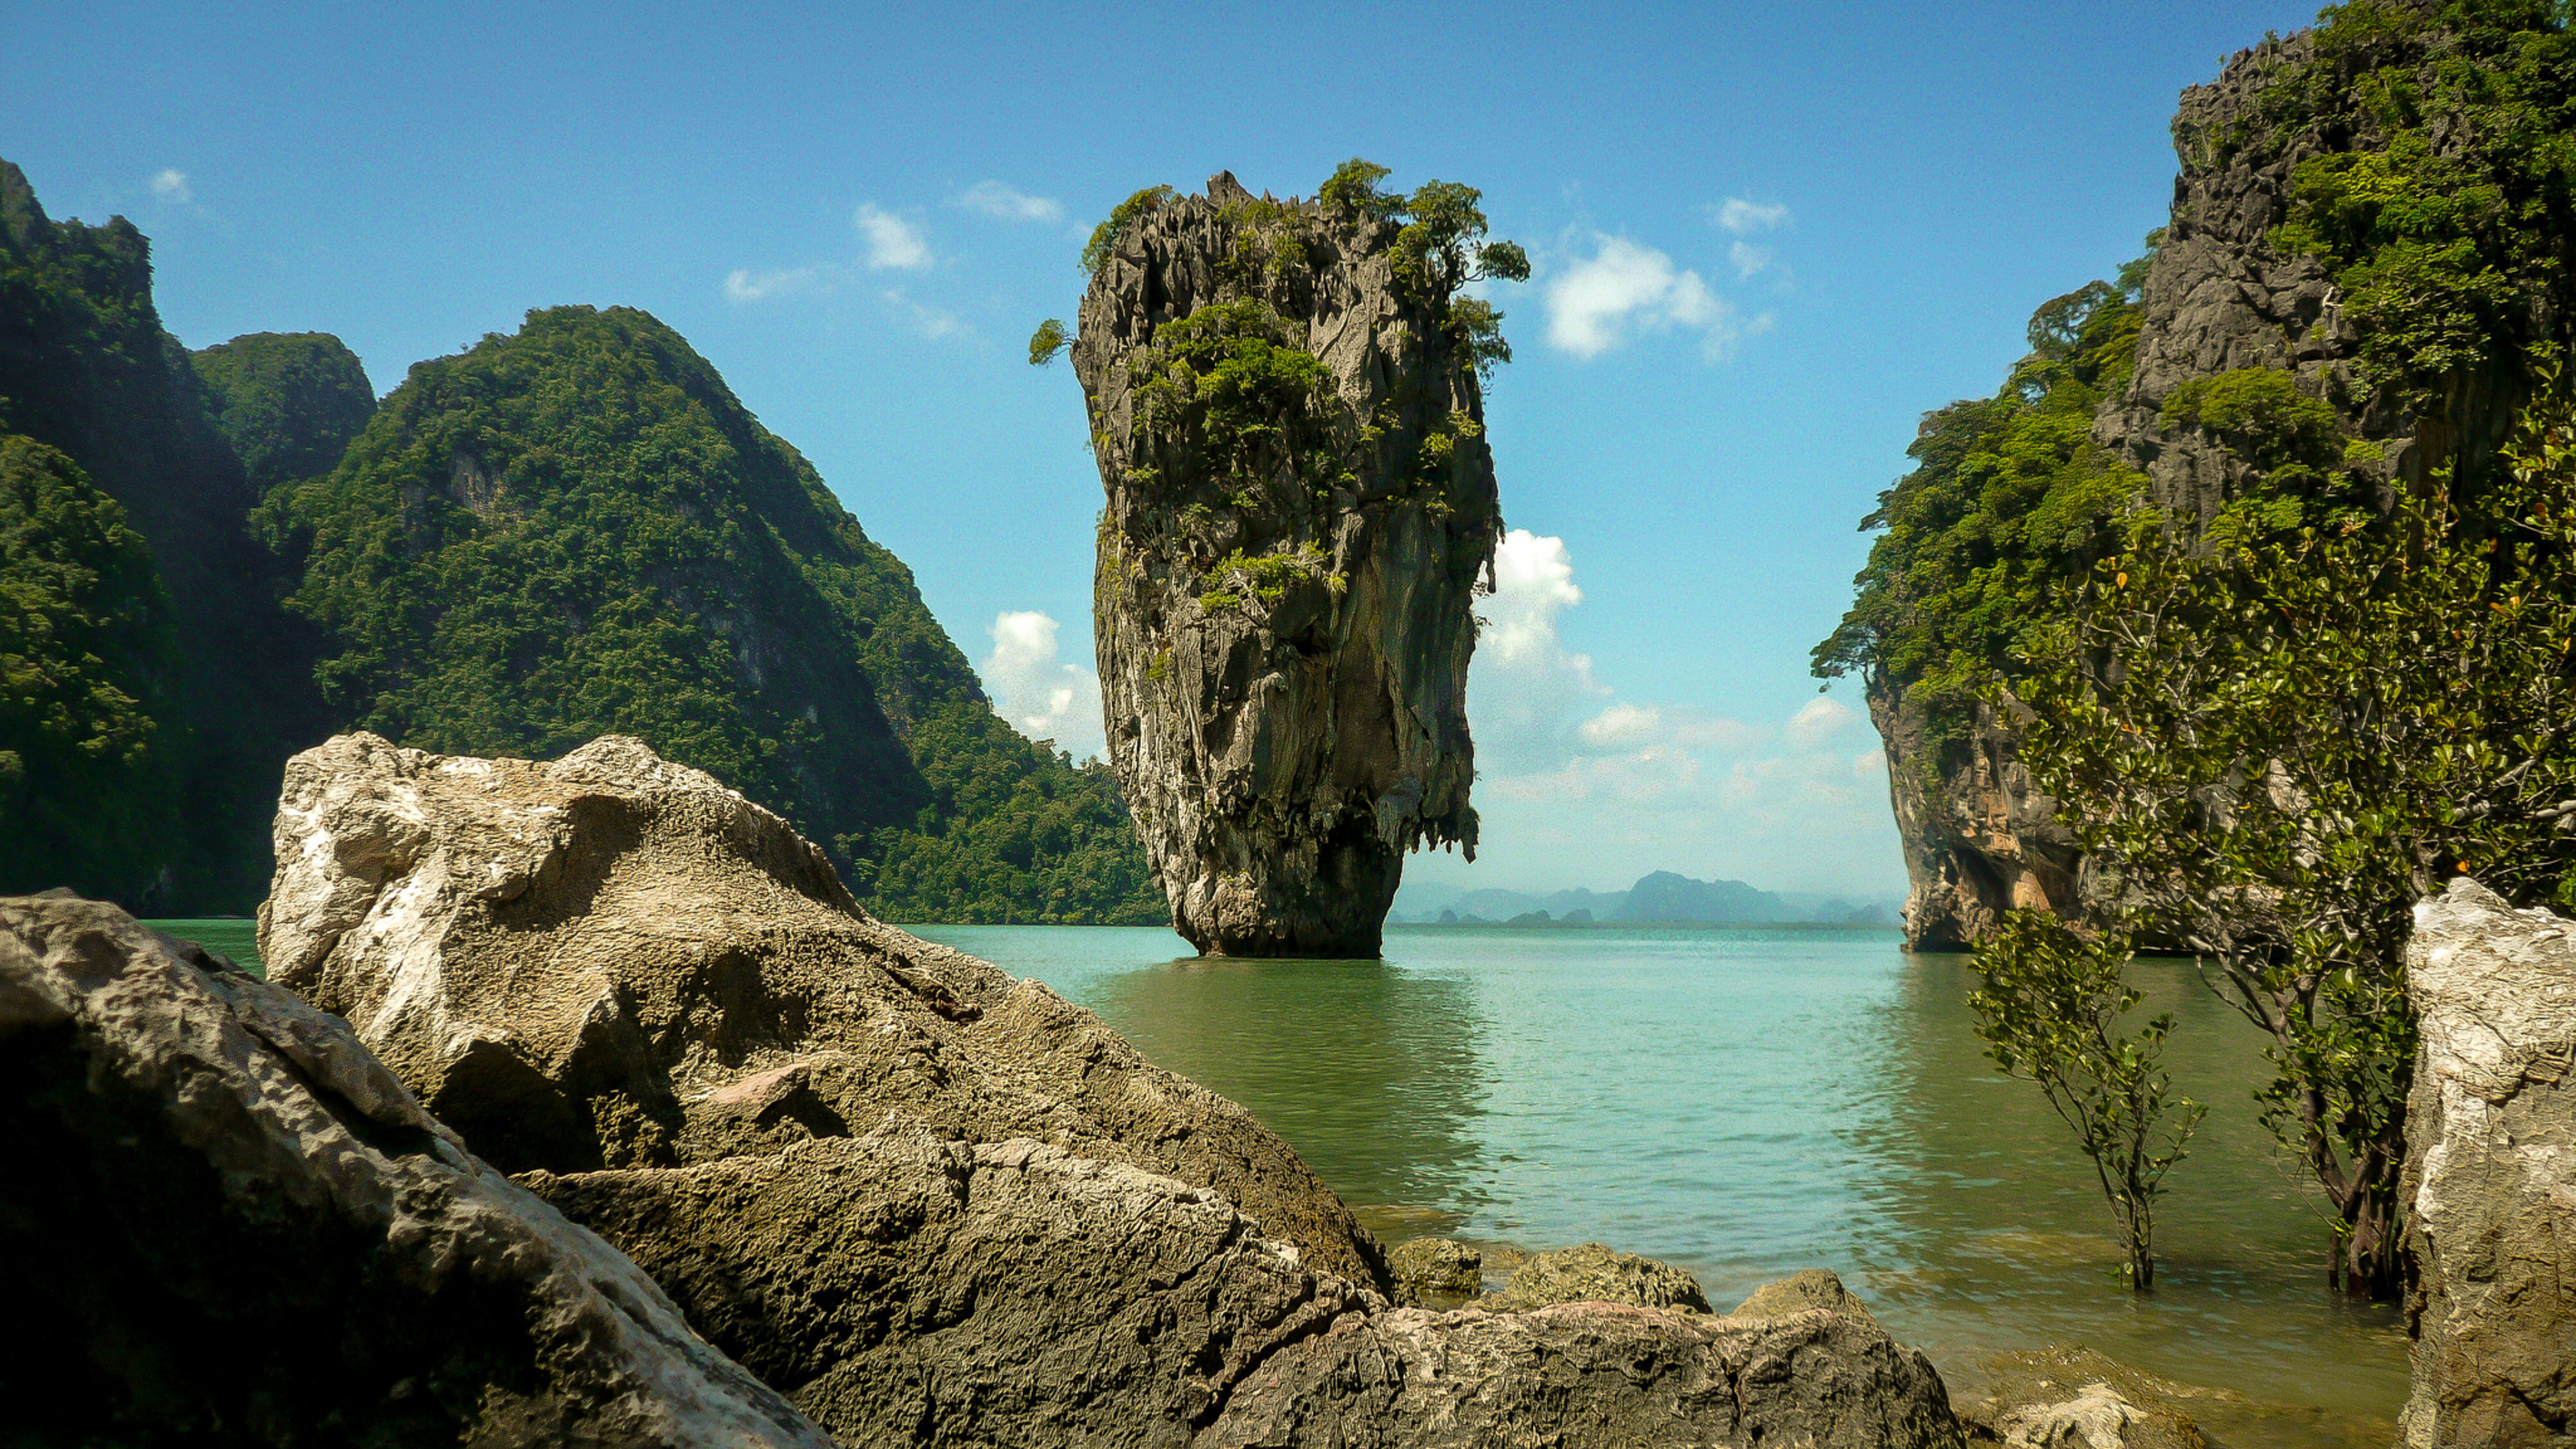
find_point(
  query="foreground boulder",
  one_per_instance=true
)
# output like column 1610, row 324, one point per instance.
column 1301, row 507
column 224, row 1222
column 612, row 961
column 1590, row 1374
column 2490, row 1179
column 904, row 1289
column 1593, row 1273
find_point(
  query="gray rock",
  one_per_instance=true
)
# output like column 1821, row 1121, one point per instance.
column 1802, row 1292
column 1442, row 1266
column 1285, row 730
column 1593, row 1273
column 225, row 1222
column 902, row 1289
column 2074, row 1398
column 612, row 961
column 1589, row 1376
column 2490, row 1177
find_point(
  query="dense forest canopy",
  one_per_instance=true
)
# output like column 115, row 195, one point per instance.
column 290, row 403
column 578, row 530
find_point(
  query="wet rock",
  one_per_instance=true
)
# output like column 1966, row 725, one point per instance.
column 1287, row 566
column 2074, row 1398
column 903, row 1289
column 2490, row 1177
column 1589, row 1374
column 1443, row 1266
column 225, row 1222
column 1593, row 1273
column 611, row 961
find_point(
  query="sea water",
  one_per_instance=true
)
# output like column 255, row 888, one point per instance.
column 1747, row 1102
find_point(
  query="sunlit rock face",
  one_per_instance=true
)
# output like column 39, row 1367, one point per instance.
column 1301, row 510
column 2490, row 1181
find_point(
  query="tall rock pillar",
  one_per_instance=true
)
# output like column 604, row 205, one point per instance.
column 1301, row 510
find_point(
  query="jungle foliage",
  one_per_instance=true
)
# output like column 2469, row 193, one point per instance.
column 90, row 734
column 289, row 403
column 2445, row 216
column 578, row 530
column 2008, row 499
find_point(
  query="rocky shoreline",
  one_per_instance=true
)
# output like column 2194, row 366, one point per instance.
column 586, row 1107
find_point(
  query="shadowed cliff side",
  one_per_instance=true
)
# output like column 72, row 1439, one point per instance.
column 1301, row 509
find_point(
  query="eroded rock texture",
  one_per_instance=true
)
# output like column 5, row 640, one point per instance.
column 2490, row 1181
column 2219, row 297
column 1590, row 1374
column 612, row 961
column 1301, row 508
column 224, row 1222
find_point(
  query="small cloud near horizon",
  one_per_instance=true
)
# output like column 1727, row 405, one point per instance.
column 1744, row 218
column 1036, row 690
column 170, row 186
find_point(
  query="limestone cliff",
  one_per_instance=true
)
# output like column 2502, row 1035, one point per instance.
column 1301, row 510
column 2234, row 291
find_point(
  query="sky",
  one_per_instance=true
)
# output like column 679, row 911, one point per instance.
column 1765, row 239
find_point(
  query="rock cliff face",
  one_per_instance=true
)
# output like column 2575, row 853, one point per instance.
column 2490, row 1177
column 2221, row 295
column 1301, row 506
column 225, row 1223
column 612, row 961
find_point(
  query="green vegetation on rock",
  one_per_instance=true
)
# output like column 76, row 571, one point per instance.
column 89, row 734
column 578, row 530
column 290, row 403
column 2008, row 499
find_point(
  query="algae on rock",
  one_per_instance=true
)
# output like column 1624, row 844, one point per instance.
column 1301, row 511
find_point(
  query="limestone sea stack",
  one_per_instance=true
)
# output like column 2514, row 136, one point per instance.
column 2490, row 1181
column 223, row 1222
column 1284, row 403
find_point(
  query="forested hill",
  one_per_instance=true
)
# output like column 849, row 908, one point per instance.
column 145, row 768
column 578, row 530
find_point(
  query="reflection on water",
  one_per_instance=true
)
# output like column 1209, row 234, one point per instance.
column 1375, row 1066
column 1750, row 1102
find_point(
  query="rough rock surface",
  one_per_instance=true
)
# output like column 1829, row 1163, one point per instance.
column 1593, row 1273
column 1443, row 1266
column 224, row 1222
column 899, row 1288
column 1285, row 584
column 612, row 961
column 1589, row 1374
column 2074, row 1398
column 1978, row 840
column 2490, row 1180
column 1799, row 1292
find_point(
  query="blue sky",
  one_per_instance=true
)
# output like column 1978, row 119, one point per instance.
column 1767, row 239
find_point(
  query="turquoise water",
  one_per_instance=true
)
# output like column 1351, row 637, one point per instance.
column 1749, row 1102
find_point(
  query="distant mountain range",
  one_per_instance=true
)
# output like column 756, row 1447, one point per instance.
column 1661, row 896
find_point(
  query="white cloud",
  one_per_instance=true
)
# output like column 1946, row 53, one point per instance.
column 1744, row 217
column 1593, row 304
column 1525, row 682
column 893, row 243
column 931, row 322
column 1817, row 721
column 1748, row 258
column 1631, row 726
column 745, row 285
column 1040, row 694
column 1008, row 203
column 171, row 186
